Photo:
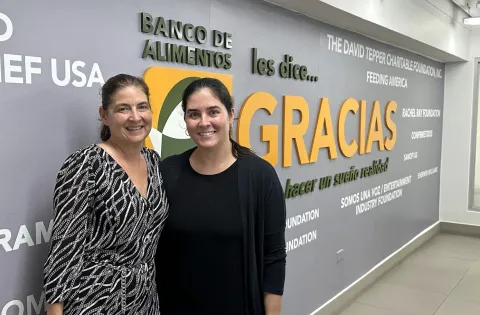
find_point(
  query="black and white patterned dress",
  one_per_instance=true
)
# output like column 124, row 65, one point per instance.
column 104, row 236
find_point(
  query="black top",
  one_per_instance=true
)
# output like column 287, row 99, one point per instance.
column 263, row 214
column 203, row 254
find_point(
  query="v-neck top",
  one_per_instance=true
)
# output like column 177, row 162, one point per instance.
column 104, row 236
column 144, row 151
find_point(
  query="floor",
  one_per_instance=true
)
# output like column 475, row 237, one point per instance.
column 440, row 278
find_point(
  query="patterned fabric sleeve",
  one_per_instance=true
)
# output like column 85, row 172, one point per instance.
column 71, row 204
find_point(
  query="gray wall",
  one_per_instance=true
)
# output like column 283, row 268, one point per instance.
column 44, row 122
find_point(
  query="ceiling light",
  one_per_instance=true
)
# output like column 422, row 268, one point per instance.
column 472, row 21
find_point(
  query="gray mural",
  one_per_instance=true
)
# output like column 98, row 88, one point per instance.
column 352, row 126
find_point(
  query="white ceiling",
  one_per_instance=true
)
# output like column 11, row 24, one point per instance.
column 451, row 46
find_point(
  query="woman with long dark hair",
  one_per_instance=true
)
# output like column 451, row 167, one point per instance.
column 223, row 247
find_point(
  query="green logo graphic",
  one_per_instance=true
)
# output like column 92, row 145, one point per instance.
column 171, row 137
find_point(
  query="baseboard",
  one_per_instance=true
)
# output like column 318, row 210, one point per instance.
column 342, row 300
column 460, row 229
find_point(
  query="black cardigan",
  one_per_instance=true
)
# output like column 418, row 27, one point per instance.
column 263, row 212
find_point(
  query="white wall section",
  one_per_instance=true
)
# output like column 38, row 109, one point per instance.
column 457, row 139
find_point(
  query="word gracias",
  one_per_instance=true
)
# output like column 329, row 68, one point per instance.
column 324, row 134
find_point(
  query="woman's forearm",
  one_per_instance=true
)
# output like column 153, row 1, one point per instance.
column 273, row 304
column 55, row 309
